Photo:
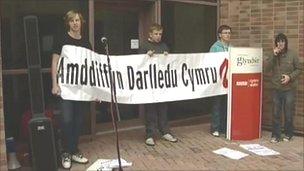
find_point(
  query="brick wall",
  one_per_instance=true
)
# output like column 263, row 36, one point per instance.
column 254, row 24
column 3, row 163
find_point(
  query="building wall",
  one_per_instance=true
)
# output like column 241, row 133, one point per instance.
column 254, row 24
column 3, row 163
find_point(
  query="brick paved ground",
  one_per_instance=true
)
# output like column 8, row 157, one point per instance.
column 192, row 152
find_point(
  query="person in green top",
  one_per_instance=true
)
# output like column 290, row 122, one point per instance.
column 285, row 68
column 219, row 108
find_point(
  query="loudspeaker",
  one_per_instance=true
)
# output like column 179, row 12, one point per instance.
column 40, row 127
column 42, row 144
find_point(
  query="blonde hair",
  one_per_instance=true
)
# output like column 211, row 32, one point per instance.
column 70, row 15
column 155, row 27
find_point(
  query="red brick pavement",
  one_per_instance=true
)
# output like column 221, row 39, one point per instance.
column 192, row 152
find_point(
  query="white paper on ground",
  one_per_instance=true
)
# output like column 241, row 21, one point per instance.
column 107, row 164
column 124, row 163
column 232, row 154
column 259, row 149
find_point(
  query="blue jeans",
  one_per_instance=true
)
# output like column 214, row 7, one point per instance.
column 156, row 117
column 283, row 101
column 72, row 120
column 219, row 114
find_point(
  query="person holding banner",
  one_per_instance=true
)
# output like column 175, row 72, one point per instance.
column 285, row 68
column 72, row 111
column 219, row 108
column 156, row 113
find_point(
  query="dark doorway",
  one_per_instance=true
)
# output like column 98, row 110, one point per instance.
column 189, row 28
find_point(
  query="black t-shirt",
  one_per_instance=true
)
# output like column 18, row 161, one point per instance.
column 66, row 39
column 157, row 47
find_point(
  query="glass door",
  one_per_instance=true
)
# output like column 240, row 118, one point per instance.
column 120, row 22
column 189, row 27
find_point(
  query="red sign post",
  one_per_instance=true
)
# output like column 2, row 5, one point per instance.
column 244, row 94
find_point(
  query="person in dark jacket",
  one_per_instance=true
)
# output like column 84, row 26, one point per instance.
column 285, row 68
column 156, row 113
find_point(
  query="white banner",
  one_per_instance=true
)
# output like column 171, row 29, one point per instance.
column 84, row 75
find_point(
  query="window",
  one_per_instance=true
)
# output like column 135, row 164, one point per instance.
column 118, row 21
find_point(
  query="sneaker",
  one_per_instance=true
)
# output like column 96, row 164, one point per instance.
column 287, row 138
column 150, row 142
column 274, row 140
column 216, row 133
column 169, row 137
column 79, row 158
column 66, row 161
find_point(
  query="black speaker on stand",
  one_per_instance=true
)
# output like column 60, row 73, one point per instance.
column 40, row 127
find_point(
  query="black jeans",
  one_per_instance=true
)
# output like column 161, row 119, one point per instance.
column 156, row 117
column 283, row 100
column 72, row 120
